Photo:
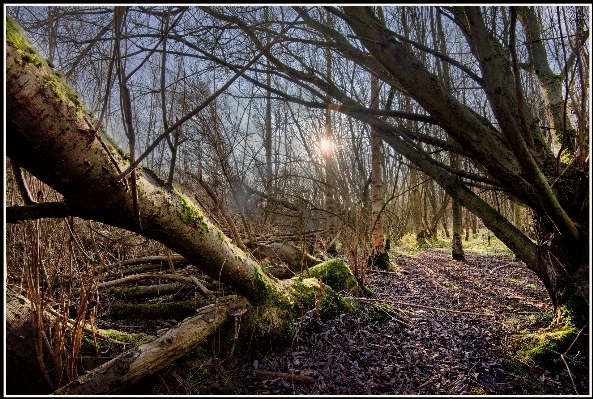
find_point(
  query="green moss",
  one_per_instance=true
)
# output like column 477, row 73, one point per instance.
column 310, row 294
column 539, row 140
column 366, row 292
column 544, row 348
column 56, row 83
column 106, row 348
column 62, row 91
column 190, row 213
column 382, row 261
column 264, row 292
column 239, row 254
column 125, row 292
column 550, row 77
column 16, row 38
column 377, row 312
column 336, row 274
column 575, row 309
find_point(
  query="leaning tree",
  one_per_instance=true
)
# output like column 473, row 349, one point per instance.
column 537, row 153
column 50, row 134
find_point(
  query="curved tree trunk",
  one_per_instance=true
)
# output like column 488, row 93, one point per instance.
column 505, row 153
column 49, row 134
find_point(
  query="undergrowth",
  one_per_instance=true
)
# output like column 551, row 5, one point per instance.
column 480, row 243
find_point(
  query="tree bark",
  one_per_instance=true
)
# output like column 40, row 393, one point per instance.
column 23, row 372
column 38, row 210
column 115, row 376
column 503, row 153
column 550, row 83
column 48, row 134
column 376, row 182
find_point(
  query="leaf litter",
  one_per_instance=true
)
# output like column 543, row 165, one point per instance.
column 411, row 350
column 440, row 327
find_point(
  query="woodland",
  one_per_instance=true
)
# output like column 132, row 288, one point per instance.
column 297, row 200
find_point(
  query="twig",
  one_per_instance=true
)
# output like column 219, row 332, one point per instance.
column 175, row 277
column 20, row 183
column 421, row 306
column 569, row 373
column 575, row 338
column 395, row 318
column 500, row 267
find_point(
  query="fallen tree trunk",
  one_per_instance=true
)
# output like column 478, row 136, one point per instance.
column 49, row 134
column 149, row 291
column 137, row 277
column 130, row 367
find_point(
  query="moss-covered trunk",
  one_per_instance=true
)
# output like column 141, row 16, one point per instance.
column 49, row 134
column 509, row 154
column 568, row 287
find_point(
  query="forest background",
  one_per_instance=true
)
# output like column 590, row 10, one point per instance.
column 298, row 131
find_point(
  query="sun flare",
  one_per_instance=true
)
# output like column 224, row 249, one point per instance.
column 325, row 145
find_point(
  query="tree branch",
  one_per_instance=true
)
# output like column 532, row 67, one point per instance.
column 16, row 214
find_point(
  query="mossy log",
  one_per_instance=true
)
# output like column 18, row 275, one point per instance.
column 24, row 373
column 149, row 291
column 183, row 279
column 130, row 367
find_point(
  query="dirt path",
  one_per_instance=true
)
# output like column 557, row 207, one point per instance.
column 417, row 350
column 464, row 347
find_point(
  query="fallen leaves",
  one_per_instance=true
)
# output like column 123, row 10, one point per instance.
column 436, row 341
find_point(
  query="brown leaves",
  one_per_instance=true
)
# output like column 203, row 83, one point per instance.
column 434, row 352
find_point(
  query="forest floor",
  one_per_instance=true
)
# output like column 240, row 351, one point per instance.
column 458, row 338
